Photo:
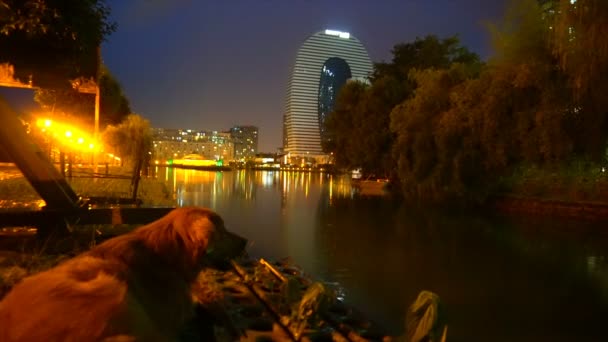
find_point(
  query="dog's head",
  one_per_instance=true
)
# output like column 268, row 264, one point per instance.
column 193, row 236
column 221, row 244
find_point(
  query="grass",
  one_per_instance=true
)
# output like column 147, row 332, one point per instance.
column 16, row 192
column 577, row 181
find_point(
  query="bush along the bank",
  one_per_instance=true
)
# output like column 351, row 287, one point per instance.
column 576, row 181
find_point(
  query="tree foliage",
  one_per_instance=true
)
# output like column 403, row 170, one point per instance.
column 360, row 124
column 132, row 140
column 579, row 42
column 424, row 53
column 463, row 129
column 340, row 124
column 435, row 151
column 457, row 126
column 114, row 105
column 53, row 41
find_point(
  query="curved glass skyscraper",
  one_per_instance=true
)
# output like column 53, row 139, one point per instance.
column 324, row 63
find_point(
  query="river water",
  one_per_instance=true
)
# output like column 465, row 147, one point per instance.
column 501, row 279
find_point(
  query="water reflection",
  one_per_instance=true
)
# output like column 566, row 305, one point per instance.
column 274, row 209
column 524, row 280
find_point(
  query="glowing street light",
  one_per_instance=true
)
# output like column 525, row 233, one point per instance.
column 58, row 130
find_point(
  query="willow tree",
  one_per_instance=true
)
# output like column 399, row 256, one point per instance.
column 362, row 117
column 132, row 140
column 431, row 149
column 340, row 125
column 529, row 89
column 580, row 29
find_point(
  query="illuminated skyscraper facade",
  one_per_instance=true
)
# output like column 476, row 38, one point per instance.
column 324, row 63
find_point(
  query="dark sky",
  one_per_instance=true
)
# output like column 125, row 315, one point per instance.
column 211, row 64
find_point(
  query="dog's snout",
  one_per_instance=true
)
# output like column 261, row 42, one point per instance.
column 226, row 246
column 238, row 241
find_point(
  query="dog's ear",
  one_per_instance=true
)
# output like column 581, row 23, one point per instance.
column 199, row 231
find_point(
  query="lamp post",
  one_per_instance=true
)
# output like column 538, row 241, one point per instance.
column 97, row 105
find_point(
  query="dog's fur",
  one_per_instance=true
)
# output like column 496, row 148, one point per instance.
column 135, row 287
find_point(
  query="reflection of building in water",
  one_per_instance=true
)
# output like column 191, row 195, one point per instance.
column 279, row 210
column 333, row 186
column 244, row 185
column 192, row 187
column 207, row 188
column 176, row 143
column 302, row 196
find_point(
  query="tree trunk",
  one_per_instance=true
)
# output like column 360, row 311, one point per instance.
column 135, row 179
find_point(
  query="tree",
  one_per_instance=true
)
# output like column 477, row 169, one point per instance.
column 53, row 41
column 424, row 53
column 464, row 128
column 579, row 42
column 114, row 106
column 521, row 36
column 363, row 137
column 340, row 124
column 526, row 74
column 431, row 137
column 132, row 140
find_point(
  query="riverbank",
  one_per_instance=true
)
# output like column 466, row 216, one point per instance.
column 594, row 211
column 253, row 300
column 576, row 190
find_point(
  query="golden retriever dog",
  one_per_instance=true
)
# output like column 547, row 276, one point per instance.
column 135, row 287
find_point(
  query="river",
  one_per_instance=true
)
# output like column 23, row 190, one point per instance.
column 501, row 279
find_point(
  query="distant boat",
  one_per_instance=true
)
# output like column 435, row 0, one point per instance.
column 371, row 186
column 197, row 162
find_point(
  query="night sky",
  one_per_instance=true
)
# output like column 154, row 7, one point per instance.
column 212, row 64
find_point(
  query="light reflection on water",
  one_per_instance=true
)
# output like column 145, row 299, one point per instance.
column 501, row 279
column 274, row 209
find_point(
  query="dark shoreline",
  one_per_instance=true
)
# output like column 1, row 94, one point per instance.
column 584, row 210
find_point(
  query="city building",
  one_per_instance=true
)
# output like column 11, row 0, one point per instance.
column 245, row 139
column 324, row 62
column 172, row 144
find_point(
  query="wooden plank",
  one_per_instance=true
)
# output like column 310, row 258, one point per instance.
column 81, row 216
column 15, row 85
